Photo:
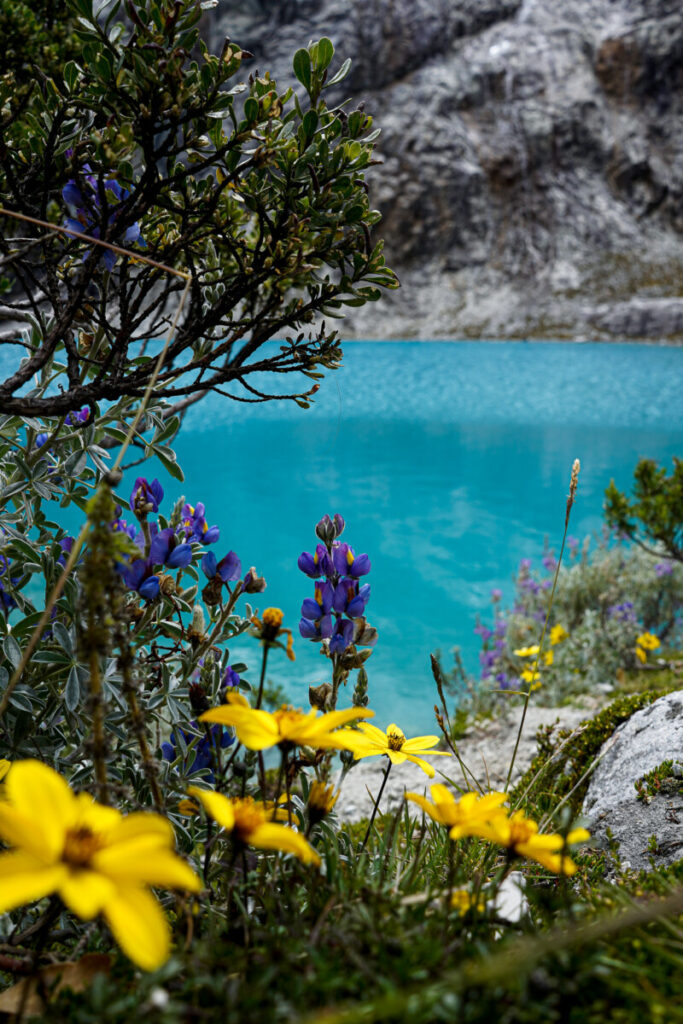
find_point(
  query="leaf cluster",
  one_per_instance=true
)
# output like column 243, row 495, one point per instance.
column 653, row 517
column 258, row 198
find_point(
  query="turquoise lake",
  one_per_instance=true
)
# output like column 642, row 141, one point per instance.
column 449, row 461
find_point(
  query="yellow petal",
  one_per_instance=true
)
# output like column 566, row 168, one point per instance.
column 237, row 698
column 142, row 823
column 433, row 811
column 278, row 837
column 24, row 878
column 140, row 927
column 418, row 743
column 216, row 806
column 4, row 767
column 86, row 892
column 143, row 862
column 424, row 765
column 397, row 756
column 441, row 794
column 94, row 816
column 42, row 795
column 333, row 719
column 578, row 835
column 373, row 733
column 19, row 830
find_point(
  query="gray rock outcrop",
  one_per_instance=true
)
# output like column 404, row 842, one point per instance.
column 651, row 736
column 486, row 750
column 532, row 151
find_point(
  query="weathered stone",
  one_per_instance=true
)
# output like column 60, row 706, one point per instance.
column 486, row 751
column 641, row 744
column 519, row 138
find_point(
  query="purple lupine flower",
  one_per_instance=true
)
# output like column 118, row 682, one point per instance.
column 121, row 526
column 524, row 565
column 7, row 602
column 229, row 568
column 483, row 632
column 146, row 497
column 321, row 604
column 342, row 636
column 72, row 418
column 166, row 549
column 546, row 584
column 86, row 207
column 664, row 569
column 41, row 439
column 195, row 525
column 549, row 561
column 316, row 564
column 347, row 563
column 350, row 599
column 503, row 680
column 496, row 595
column 572, row 543
column 487, row 661
column 140, row 576
column 231, row 680
column 623, row 612
column 217, row 735
column 66, row 544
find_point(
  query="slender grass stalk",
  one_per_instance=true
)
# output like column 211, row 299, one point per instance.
column 573, row 482
column 376, row 807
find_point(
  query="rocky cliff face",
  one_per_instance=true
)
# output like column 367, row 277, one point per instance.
column 532, row 176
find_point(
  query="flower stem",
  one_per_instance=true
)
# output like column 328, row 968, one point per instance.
column 534, row 669
column 263, row 675
column 375, row 808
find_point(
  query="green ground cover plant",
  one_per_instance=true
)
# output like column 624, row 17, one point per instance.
column 169, row 844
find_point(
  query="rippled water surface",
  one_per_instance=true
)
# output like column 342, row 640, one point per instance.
column 449, row 462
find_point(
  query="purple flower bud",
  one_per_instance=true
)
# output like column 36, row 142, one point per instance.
column 338, row 525
column 150, row 588
column 496, row 595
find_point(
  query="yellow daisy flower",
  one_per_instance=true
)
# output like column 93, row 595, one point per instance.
column 527, row 652
column 558, row 634
column 372, row 741
column 549, row 657
column 269, row 627
column 463, row 901
column 467, row 816
column 649, row 641
column 520, row 834
column 287, row 727
column 250, row 822
column 94, row 858
column 321, row 800
column 531, row 677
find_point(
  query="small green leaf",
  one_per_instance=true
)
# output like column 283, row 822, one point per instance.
column 310, row 123
column 340, row 75
column 302, row 68
column 71, row 73
column 72, row 690
column 12, row 651
column 325, row 53
column 251, row 109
